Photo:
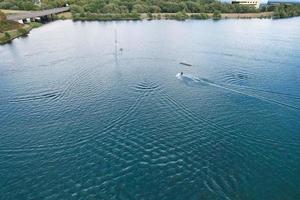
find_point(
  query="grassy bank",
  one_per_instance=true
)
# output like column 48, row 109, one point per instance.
column 106, row 17
column 64, row 15
column 16, row 31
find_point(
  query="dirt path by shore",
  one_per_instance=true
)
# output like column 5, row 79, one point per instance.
column 247, row 15
column 223, row 15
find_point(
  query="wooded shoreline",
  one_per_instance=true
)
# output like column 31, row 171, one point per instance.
column 7, row 36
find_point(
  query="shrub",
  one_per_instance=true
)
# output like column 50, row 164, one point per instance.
column 55, row 17
column 150, row 16
column 35, row 24
column 76, row 9
column 200, row 16
column 283, row 11
column 7, row 35
column 22, row 31
column 216, row 15
column 178, row 16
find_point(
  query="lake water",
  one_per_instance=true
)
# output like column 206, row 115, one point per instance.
column 84, row 118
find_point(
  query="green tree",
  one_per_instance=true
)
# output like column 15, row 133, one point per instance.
column 192, row 7
column 6, row 5
column 139, row 8
column 124, row 9
column 22, row 31
column 154, row 9
column 111, row 8
column 170, row 7
column 76, row 9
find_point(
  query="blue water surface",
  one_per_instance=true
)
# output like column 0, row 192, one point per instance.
column 83, row 116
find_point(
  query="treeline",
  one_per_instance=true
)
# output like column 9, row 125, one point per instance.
column 132, row 9
column 131, row 6
column 283, row 11
column 156, row 6
column 18, row 5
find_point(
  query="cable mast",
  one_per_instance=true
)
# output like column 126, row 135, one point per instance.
column 116, row 42
column 116, row 46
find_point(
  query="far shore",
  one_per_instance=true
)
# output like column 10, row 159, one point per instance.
column 157, row 16
column 14, row 33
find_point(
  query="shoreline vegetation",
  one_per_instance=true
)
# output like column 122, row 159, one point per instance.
column 10, row 30
column 165, row 16
column 112, row 10
column 22, row 31
column 136, row 9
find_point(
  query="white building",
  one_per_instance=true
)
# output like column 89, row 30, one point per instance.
column 254, row 3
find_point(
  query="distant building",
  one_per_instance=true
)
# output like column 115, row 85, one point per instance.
column 255, row 3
